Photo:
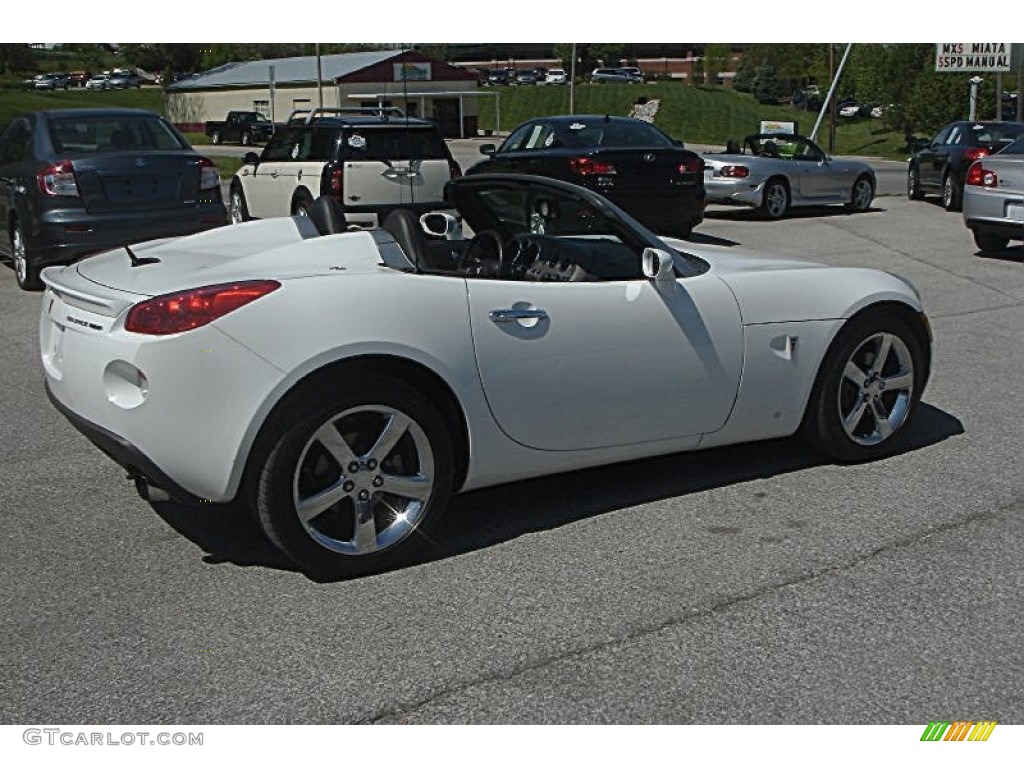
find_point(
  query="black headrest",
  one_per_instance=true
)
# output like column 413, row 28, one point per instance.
column 404, row 226
column 328, row 217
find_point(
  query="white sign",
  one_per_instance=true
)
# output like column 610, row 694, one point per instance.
column 972, row 57
column 412, row 71
column 778, row 126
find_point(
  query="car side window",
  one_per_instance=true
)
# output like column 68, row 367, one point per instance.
column 518, row 138
column 941, row 136
column 540, row 137
column 282, row 145
column 955, row 136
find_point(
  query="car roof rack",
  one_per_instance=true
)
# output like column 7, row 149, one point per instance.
column 315, row 112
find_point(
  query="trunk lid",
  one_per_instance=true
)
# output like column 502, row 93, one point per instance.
column 116, row 182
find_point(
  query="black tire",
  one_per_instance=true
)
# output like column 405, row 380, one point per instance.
column 238, row 208
column 302, row 205
column 990, row 243
column 26, row 270
column 775, row 199
column 861, row 195
column 950, row 193
column 215, row 137
column 861, row 400
column 914, row 185
column 316, row 437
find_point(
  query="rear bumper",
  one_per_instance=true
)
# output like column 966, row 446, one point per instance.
column 659, row 210
column 124, row 453
column 64, row 235
column 734, row 192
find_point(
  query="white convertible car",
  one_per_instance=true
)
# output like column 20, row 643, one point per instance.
column 346, row 382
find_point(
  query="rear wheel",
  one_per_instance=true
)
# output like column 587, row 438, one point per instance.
column 302, row 205
column 26, row 271
column 868, row 388
column 358, row 480
column 775, row 201
column 988, row 243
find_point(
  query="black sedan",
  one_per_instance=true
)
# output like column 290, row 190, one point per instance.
column 940, row 166
column 648, row 174
column 78, row 181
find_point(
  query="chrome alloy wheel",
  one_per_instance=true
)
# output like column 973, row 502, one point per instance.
column 363, row 480
column 862, row 195
column 876, row 389
column 235, row 207
column 776, row 200
column 20, row 259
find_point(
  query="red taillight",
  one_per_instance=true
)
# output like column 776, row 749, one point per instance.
column 58, row 180
column 980, row 176
column 456, row 171
column 177, row 312
column 586, row 166
column 975, row 153
column 734, row 171
column 696, row 165
column 209, row 176
column 336, row 183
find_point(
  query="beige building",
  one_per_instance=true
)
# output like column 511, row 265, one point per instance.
column 420, row 86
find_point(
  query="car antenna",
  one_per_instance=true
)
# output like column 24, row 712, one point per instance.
column 137, row 262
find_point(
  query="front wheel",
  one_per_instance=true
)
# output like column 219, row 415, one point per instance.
column 238, row 209
column 989, row 243
column 868, row 388
column 357, row 481
column 775, row 201
column 950, row 193
column 914, row 185
column 26, row 270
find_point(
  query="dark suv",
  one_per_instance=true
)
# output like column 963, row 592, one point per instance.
column 78, row 181
column 940, row 166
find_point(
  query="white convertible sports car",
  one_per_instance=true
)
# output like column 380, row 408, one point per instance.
column 346, row 382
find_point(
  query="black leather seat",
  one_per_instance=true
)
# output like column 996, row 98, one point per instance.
column 404, row 226
column 328, row 217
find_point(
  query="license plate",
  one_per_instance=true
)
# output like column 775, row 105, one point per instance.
column 1015, row 211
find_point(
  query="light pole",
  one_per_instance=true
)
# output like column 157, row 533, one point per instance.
column 572, row 82
column 975, row 82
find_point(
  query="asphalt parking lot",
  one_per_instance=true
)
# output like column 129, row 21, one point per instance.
column 753, row 584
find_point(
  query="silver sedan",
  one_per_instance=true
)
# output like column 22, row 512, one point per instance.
column 994, row 198
column 774, row 172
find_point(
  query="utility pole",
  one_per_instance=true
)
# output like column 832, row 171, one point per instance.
column 975, row 82
column 572, row 82
column 319, row 79
column 831, row 102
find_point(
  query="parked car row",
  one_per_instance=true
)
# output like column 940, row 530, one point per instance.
column 118, row 78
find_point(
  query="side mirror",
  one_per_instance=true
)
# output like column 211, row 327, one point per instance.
column 441, row 225
column 488, row 149
column 251, row 158
column 657, row 265
column 679, row 143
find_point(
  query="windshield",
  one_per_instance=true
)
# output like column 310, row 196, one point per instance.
column 113, row 133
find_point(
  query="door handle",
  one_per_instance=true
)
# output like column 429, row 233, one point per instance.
column 274, row 174
column 515, row 315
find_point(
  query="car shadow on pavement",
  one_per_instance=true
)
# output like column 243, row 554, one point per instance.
column 1007, row 254
column 480, row 519
column 808, row 212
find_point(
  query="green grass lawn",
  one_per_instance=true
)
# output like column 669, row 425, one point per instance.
column 699, row 115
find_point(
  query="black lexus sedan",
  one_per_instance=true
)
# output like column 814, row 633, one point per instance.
column 632, row 163
column 78, row 181
column 940, row 166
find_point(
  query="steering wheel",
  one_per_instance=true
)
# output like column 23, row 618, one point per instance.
column 525, row 250
column 476, row 262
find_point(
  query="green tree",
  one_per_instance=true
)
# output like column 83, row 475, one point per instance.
column 766, row 88
column 716, row 59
